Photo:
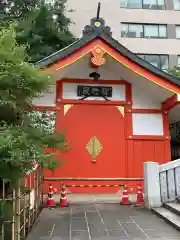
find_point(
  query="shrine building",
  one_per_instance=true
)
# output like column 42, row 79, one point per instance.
column 116, row 108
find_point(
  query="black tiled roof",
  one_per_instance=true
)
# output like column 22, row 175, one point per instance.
column 98, row 30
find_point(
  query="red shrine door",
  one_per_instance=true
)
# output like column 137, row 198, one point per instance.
column 98, row 146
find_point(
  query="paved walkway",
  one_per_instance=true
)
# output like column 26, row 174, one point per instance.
column 101, row 221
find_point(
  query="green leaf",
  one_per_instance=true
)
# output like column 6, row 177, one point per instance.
column 24, row 134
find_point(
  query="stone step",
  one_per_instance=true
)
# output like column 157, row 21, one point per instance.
column 168, row 216
column 173, row 207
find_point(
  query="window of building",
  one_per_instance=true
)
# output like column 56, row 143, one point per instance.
column 143, row 30
column 176, row 5
column 132, row 30
column 178, row 31
column 159, row 61
column 146, row 4
column 178, row 61
column 131, row 3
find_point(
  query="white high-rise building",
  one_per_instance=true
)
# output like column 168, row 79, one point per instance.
column 150, row 28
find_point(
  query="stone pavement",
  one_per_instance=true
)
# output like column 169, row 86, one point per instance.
column 101, row 221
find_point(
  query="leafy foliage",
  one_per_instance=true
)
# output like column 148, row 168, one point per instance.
column 43, row 27
column 23, row 134
column 16, row 9
column 175, row 72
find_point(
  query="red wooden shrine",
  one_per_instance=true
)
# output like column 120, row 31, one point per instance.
column 110, row 135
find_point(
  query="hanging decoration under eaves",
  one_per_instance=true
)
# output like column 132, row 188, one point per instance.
column 98, row 57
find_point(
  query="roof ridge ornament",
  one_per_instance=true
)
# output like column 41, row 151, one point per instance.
column 97, row 25
column 98, row 10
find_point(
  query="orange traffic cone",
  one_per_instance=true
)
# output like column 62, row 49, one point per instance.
column 140, row 198
column 50, row 201
column 125, row 197
column 63, row 198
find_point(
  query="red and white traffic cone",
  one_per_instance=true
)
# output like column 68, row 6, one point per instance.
column 140, row 198
column 125, row 197
column 50, row 201
column 63, row 198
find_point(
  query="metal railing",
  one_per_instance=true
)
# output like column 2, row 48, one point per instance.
column 169, row 178
column 20, row 206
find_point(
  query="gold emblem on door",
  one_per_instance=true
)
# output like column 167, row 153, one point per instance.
column 94, row 147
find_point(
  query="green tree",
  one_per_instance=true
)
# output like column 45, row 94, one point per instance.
column 43, row 27
column 17, row 9
column 175, row 71
column 24, row 134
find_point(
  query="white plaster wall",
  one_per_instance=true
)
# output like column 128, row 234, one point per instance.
column 46, row 99
column 142, row 99
column 82, row 68
column 82, row 72
column 144, row 91
column 147, row 124
column 70, row 91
